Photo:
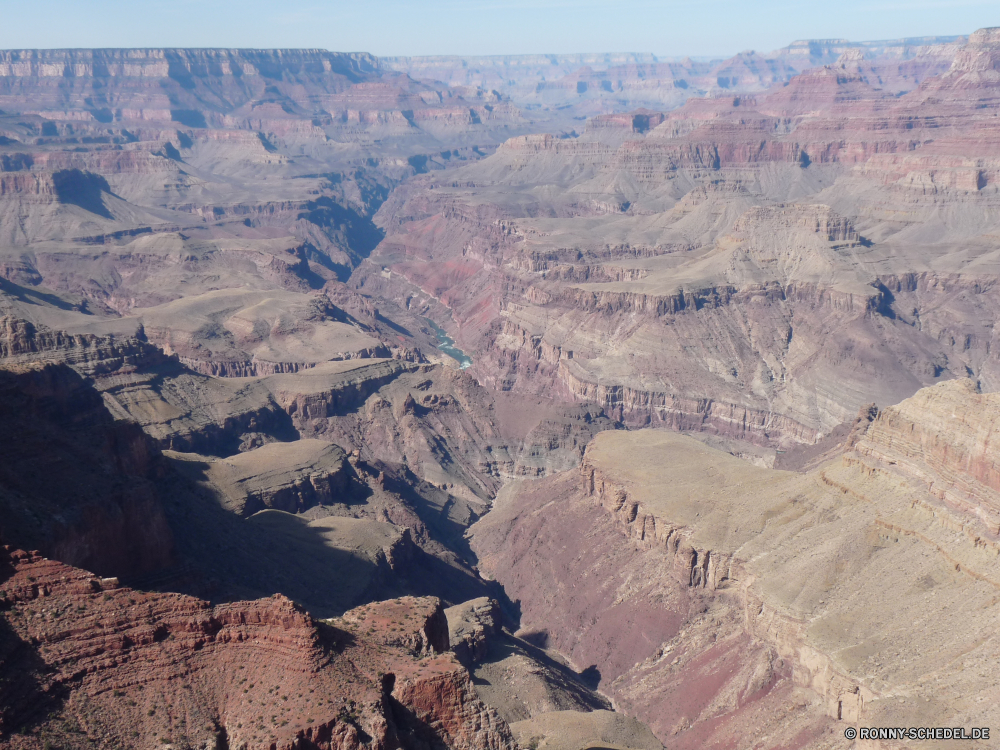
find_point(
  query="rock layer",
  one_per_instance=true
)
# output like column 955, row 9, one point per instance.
column 142, row 669
column 769, row 582
column 753, row 267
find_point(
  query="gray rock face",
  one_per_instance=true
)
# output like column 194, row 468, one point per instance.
column 470, row 627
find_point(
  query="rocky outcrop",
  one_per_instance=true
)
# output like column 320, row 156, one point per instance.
column 89, row 658
column 519, row 150
column 434, row 699
column 416, row 625
column 638, row 122
column 818, row 219
column 334, row 389
column 942, row 439
column 262, row 368
column 179, row 409
column 291, row 477
column 641, row 407
column 441, row 704
column 690, row 566
column 22, row 341
column 470, row 627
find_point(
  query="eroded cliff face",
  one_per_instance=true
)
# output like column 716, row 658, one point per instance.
column 91, row 661
column 771, row 586
column 202, row 88
column 131, row 179
column 76, row 483
column 942, row 441
column 605, row 84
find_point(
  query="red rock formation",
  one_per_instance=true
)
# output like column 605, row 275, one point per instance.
column 88, row 659
column 631, row 609
column 440, row 702
column 426, row 635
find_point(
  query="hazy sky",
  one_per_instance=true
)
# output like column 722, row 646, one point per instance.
column 431, row 27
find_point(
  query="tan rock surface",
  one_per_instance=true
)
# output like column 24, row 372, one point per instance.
column 942, row 441
column 517, row 679
column 868, row 591
column 757, row 268
column 239, row 252
column 520, row 681
column 471, row 625
column 284, row 476
column 573, row 730
column 240, row 332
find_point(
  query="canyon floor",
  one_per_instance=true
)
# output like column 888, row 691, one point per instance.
column 558, row 402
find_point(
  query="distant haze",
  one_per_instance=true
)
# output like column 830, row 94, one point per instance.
column 482, row 27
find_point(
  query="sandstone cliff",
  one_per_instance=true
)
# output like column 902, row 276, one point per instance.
column 90, row 661
column 774, row 582
column 941, row 440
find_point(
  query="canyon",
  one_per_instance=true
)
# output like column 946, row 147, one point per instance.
column 555, row 402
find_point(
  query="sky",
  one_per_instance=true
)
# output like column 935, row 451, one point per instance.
column 482, row 27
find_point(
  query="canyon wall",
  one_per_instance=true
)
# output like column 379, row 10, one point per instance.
column 147, row 669
column 773, row 574
column 756, row 267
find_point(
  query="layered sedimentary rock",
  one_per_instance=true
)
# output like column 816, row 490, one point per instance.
column 942, row 439
column 233, row 333
column 249, row 256
column 427, row 446
column 284, row 476
column 757, row 267
column 179, row 409
column 771, row 586
column 75, row 482
column 212, row 87
column 470, row 626
column 90, row 661
column 139, row 178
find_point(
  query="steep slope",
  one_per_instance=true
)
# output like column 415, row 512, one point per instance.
column 91, row 663
column 76, row 483
column 136, row 178
column 764, row 603
column 224, row 276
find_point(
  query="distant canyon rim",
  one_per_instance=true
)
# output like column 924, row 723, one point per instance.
column 542, row 402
